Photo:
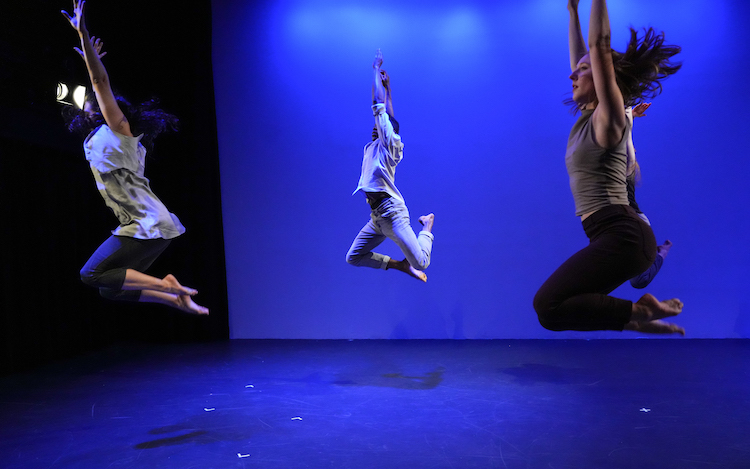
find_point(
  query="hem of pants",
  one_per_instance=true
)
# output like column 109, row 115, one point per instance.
column 428, row 234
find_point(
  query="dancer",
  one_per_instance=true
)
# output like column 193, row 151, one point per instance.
column 633, row 168
column 576, row 295
column 389, row 216
column 633, row 176
column 117, row 157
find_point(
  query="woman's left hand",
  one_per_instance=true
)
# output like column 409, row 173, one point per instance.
column 97, row 44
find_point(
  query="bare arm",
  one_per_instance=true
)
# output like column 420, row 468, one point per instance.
column 576, row 44
column 378, row 90
column 382, row 77
column 97, row 73
column 609, row 116
column 386, row 80
column 381, row 95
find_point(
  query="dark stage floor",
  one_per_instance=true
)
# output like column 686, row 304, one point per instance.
column 386, row 404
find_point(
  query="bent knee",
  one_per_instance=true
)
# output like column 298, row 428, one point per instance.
column 545, row 313
column 545, row 320
column 88, row 277
column 419, row 262
column 541, row 305
column 352, row 259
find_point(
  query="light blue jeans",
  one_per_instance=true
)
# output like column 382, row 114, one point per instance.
column 390, row 220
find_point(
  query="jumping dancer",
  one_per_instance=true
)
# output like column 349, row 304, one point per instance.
column 389, row 217
column 622, row 245
column 578, row 46
column 117, row 157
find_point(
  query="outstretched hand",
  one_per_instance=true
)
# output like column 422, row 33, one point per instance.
column 76, row 21
column 97, row 45
column 573, row 5
column 378, row 62
column 640, row 109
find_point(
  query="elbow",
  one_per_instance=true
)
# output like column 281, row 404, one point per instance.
column 601, row 42
column 99, row 79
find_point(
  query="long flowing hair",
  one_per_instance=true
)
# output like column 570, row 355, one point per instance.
column 146, row 118
column 643, row 66
column 640, row 70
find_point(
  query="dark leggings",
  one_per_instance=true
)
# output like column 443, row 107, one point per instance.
column 575, row 296
column 106, row 268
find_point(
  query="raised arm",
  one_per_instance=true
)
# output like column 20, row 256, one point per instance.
column 386, row 80
column 382, row 78
column 97, row 73
column 609, row 116
column 576, row 44
column 378, row 90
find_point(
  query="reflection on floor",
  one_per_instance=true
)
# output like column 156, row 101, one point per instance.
column 386, row 404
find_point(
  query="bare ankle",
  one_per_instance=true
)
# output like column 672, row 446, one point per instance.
column 427, row 221
column 639, row 313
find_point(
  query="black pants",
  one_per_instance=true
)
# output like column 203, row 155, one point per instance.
column 106, row 267
column 575, row 297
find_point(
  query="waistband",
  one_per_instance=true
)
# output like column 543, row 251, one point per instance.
column 374, row 199
column 610, row 217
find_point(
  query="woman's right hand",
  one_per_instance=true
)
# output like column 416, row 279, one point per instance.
column 76, row 21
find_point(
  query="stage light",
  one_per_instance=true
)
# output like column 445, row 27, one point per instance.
column 76, row 98
column 79, row 95
column 62, row 92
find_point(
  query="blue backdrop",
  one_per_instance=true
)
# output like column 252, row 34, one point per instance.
column 478, row 89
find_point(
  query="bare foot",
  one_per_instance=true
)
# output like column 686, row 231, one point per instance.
column 405, row 267
column 185, row 303
column 663, row 250
column 427, row 221
column 655, row 327
column 648, row 308
column 173, row 286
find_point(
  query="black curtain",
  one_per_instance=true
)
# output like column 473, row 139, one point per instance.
column 52, row 216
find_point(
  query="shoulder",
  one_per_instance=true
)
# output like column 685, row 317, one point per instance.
column 124, row 137
column 104, row 137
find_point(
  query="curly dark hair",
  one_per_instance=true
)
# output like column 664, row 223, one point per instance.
column 147, row 118
column 640, row 70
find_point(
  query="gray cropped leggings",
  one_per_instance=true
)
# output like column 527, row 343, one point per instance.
column 106, row 268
